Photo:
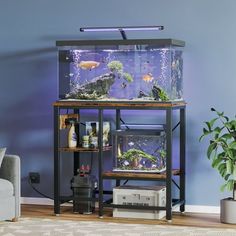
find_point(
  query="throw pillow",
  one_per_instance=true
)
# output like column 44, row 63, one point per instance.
column 2, row 153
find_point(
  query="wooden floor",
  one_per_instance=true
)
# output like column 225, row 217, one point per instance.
column 183, row 219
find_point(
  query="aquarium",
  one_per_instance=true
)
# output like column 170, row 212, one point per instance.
column 139, row 150
column 114, row 70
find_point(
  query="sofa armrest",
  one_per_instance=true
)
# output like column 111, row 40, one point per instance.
column 10, row 170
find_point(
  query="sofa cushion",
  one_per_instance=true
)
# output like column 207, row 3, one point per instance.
column 2, row 153
column 6, row 188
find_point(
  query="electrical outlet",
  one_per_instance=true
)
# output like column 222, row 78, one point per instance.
column 34, row 177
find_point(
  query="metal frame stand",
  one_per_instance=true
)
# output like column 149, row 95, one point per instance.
column 168, row 176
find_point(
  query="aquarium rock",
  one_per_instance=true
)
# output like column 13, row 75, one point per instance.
column 96, row 88
column 159, row 94
column 142, row 94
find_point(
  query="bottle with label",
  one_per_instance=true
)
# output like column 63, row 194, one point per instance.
column 72, row 136
column 85, row 141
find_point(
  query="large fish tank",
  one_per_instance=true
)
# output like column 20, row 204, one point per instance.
column 120, row 70
column 139, row 151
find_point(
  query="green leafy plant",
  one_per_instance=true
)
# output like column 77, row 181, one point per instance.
column 128, row 77
column 163, row 95
column 222, row 148
column 115, row 66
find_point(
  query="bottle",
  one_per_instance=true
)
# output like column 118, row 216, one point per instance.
column 85, row 141
column 72, row 136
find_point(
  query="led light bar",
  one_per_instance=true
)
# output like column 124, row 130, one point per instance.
column 125, row 28
column 121, row 29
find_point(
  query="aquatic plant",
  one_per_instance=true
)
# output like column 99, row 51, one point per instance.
column 128, row 77
column 115, row 66
column 88, row 96
column 163, row 95
column 162, row 153
column 159, row 94
column 134, row 153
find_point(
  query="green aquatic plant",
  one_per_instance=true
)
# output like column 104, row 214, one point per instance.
column 88, row 96
column 134, row 153
column 159, row 94
column 115, row 66
column 162, row 153
column 128, row 77
column 163, row 95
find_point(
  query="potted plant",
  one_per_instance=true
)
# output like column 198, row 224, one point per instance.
column 222, row 153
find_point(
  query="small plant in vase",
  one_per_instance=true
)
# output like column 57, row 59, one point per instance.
column 222, row 153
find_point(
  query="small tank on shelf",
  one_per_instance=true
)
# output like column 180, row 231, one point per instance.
column 121, row 70
column 139, row 151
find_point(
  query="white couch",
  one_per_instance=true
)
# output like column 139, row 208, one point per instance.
column 10, row 188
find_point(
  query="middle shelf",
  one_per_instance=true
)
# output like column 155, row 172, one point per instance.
column 137, row 176
column 82, row 149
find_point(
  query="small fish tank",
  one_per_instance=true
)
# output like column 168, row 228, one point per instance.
column 114, row 70
column 139, row 151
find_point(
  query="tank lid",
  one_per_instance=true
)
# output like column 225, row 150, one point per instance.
column 157, row 42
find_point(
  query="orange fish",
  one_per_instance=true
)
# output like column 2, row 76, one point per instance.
column 148, row 78
column 88, row 65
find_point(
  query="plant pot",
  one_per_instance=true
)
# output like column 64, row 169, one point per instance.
column 228, row 211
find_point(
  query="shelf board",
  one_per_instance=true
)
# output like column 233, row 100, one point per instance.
column 140, row 176
column 114, row 104
column 82, row 149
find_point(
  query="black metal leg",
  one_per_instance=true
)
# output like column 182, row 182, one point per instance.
column 117, row 128
column 117, row 119
column 56, row 162
column 182, row 157
column 76, row 162
column 168, row 163
column 77, row 154
column 100, row 160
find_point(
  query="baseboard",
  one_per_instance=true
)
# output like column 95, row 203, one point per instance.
column 188, row 208
column 202, row 209
column 36, row 201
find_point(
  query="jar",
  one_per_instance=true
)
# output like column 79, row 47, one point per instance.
column 85, row 141
column 93, row 142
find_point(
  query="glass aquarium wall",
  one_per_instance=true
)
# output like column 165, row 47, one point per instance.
column 133, row 70
column 139, row 151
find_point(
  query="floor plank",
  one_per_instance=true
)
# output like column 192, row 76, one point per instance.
column 185, row 219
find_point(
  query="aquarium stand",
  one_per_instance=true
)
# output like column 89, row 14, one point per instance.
column 168, row 176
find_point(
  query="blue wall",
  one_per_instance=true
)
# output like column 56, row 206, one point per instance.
column 28, row 66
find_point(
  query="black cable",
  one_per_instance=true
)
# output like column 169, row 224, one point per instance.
column 176, row 126
column 42, row 194
column 36, row 190
column 127, row 127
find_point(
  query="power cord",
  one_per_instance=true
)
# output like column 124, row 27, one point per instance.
column 42, row 194
column 37, row 191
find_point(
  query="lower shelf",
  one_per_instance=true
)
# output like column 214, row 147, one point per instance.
column 137, row 176
column 109, row 204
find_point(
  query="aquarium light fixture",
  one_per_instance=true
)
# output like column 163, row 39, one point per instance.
column 121, row 29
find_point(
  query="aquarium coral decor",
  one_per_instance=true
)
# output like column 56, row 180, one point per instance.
column 139, row 151
column 121, row 70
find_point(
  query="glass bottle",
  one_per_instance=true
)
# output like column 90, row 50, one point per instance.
column 72, row 136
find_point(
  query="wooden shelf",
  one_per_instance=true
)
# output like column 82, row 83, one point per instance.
column 119, row 104
column 144, row 176
column 82, row 149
